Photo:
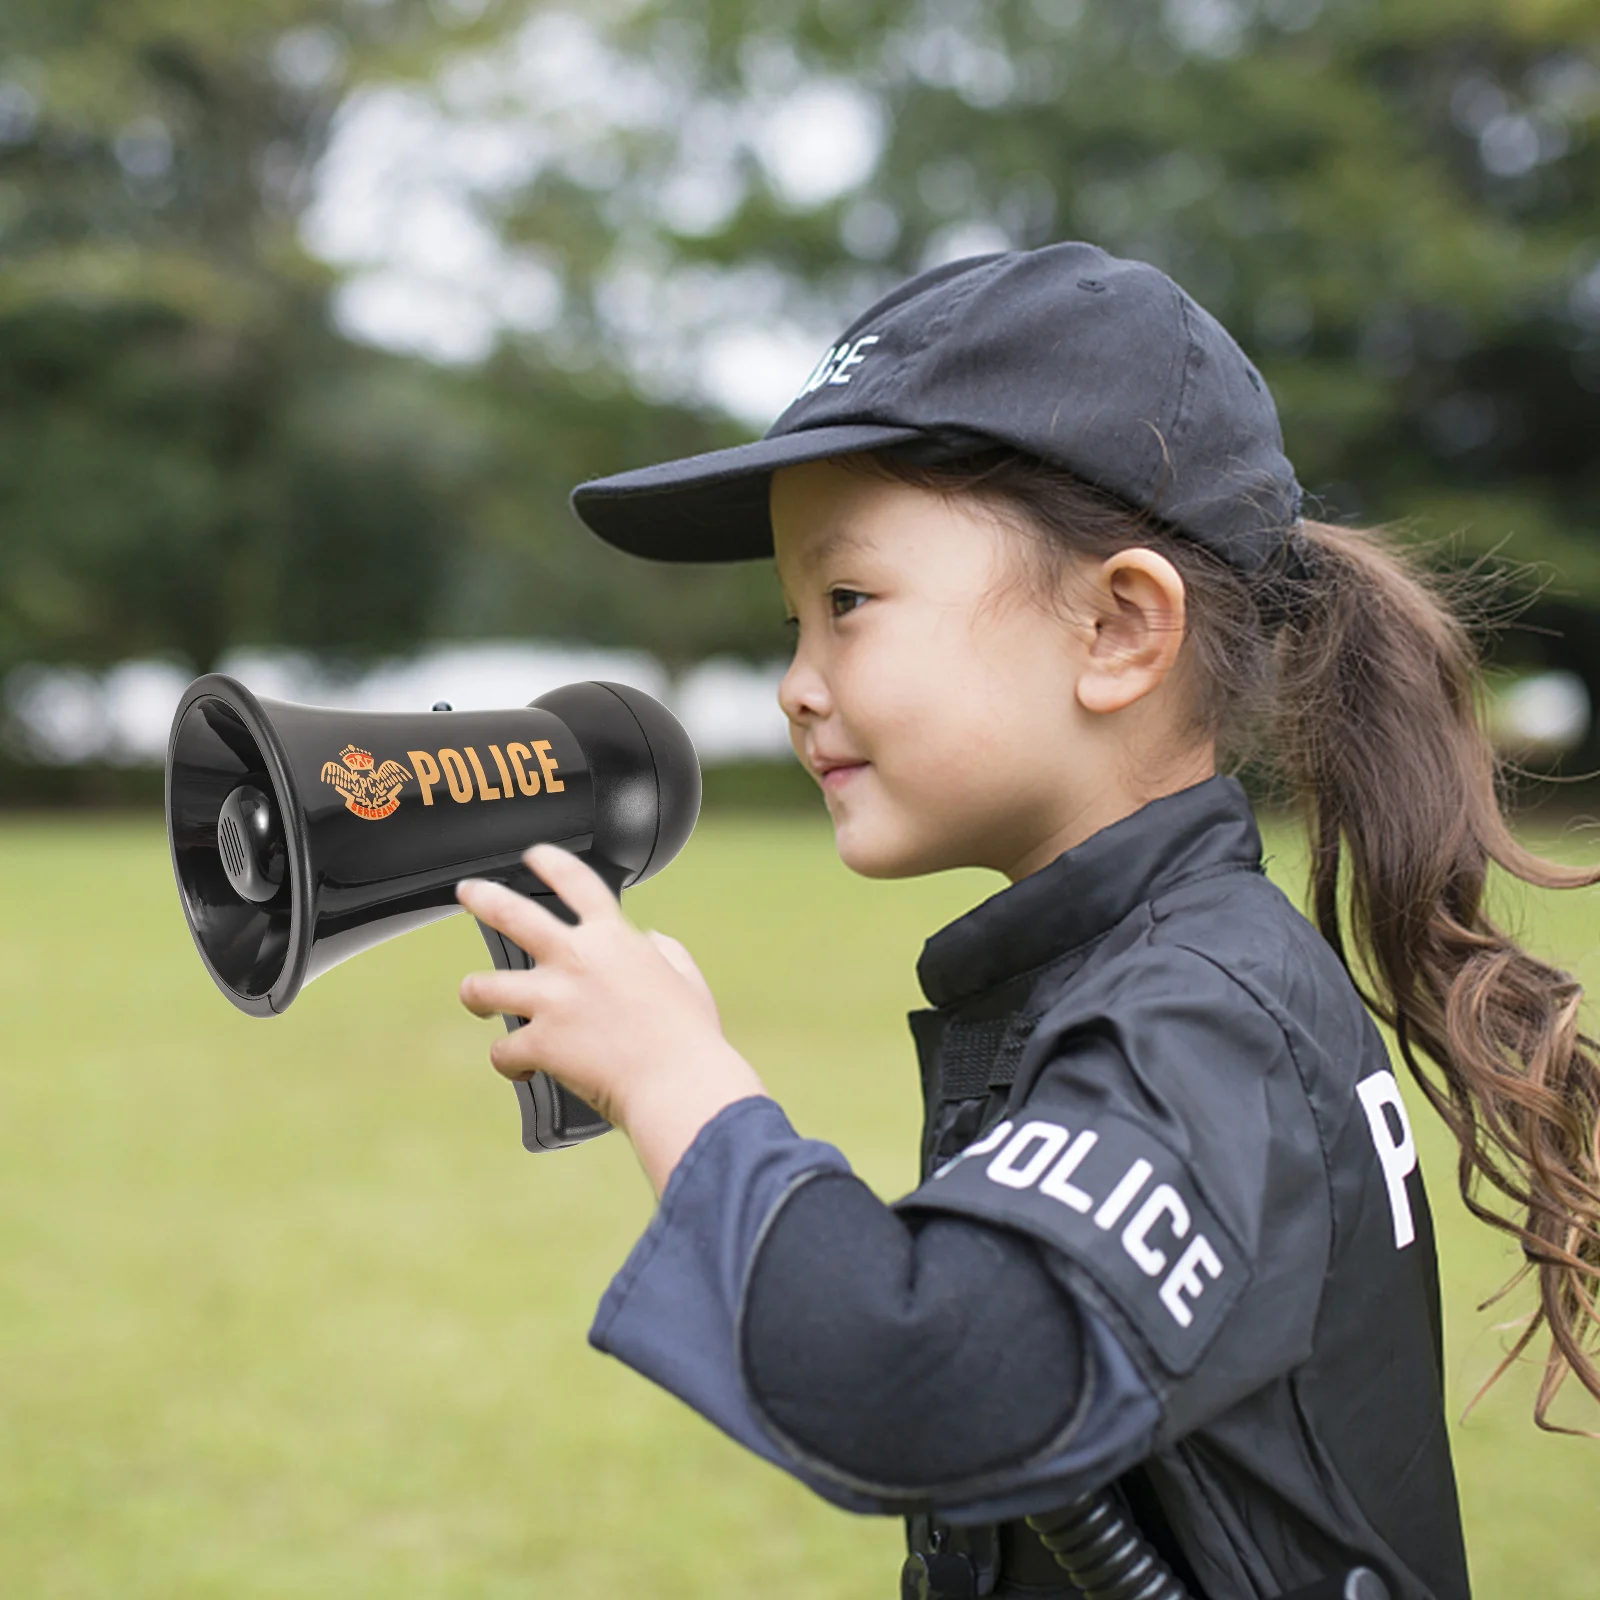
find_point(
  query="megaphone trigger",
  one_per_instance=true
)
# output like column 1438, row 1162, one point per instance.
column 552, row 1116
column 302, row 835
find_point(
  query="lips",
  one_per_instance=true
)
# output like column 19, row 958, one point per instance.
column 832, row 773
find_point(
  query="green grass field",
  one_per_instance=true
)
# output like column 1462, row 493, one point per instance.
column 286, row 1311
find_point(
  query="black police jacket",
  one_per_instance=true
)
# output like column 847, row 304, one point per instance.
column 1170, row 1233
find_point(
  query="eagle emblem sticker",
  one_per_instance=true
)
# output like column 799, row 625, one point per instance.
column 368, row 793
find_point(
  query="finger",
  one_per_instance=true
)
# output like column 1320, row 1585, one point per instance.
column 488, row 994
column 513, row 1055
column 575, row 882
column 536, row 930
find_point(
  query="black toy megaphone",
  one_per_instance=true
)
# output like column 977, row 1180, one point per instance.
column 302, row 835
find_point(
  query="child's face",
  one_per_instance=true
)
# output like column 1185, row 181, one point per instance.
column 933, row 697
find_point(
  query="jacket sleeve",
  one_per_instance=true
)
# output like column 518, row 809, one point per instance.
column 891, row 1363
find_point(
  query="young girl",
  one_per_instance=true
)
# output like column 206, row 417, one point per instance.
column 1044, row 559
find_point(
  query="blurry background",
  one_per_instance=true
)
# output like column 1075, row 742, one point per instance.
column 311, row 313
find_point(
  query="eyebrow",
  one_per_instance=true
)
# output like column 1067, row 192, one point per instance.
column 836, row 540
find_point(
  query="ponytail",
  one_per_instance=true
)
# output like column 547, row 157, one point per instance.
column 1376, row 731
column 1354, row 685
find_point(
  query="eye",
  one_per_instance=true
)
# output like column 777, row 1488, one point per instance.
column 843, row 601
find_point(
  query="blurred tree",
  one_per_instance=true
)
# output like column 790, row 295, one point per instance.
column 192, row 457
column 163, row 485
column 1392, row 204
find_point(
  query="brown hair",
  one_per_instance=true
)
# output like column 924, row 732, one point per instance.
column 1356, row 692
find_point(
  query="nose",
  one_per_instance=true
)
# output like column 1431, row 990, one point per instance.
column 802, row 693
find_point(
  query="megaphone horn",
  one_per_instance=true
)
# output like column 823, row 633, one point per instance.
column 301, row 835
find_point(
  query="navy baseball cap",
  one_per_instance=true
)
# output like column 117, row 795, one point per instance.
column 1102, row 366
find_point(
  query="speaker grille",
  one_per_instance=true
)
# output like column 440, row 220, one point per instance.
column 231, row 843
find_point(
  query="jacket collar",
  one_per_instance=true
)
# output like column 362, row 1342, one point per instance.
column 1090, row 888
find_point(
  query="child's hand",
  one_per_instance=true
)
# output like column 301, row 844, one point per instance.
column 623, row 1018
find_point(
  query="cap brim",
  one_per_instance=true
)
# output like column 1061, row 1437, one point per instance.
column 713, row 507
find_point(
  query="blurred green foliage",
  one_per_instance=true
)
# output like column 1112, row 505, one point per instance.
column 191, row 457
column 1392, row 204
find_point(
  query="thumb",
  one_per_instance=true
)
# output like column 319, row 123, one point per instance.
column 679, row 959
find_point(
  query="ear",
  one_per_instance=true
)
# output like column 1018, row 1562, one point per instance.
column 1138, row 605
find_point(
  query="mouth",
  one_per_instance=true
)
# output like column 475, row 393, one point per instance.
column 834, row 775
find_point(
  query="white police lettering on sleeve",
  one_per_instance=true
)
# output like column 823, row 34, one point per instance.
column 1110, row 1196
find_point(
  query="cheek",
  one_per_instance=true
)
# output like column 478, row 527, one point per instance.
column 1030, row 673
column 936, row 746
column 986, row 713
column 895, row 684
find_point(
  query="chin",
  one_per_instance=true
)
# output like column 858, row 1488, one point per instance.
column 873, row 853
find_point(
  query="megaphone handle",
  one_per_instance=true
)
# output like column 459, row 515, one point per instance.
column 552, row 1118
